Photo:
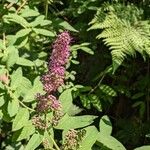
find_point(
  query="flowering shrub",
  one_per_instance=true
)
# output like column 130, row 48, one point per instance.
column 60, row 88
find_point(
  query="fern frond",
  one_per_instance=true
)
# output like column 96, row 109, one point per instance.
column 123, row 36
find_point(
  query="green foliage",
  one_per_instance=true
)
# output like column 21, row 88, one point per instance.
column 92, row 89
column 105, row 126
column 143, row 148
column 75, row 122
column 123, row 34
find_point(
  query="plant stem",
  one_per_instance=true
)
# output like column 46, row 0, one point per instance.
column 22, row 5
column 100, row 81
column 26, row 106
column 14, row 97
column 46, row 8
column 55, row 144
column 4, row 39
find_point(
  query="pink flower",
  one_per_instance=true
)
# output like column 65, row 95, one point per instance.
column 54, row 78
column 47, row 102
column 60, row 54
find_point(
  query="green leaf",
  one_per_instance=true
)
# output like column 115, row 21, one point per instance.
column 23, row 42
column 67, row 26
column 23, row 32
column 24, row 62
column 2, row 46
column 108, row 90
column 137, row 95
column 12, row 1
column 1, row 85
column 21, row 119
column 37, row 88
column 105, row 125
column 66, row 100
column 85, row 101
column 17, row 19
column 5, row 114
column 69, row 122
column 24, row 87
column 27, row 12
column 11, row 39
column 73, row 110
column 46, row 22
column 34, row 142
column 95, row 101
column 12, row 56
column 25, row 132
column 16, row 78
column 13, row 107
column 109, row 142
column 89, row 139
column 2, row 100
column 39, row 20
column 146, row 147
column 87, row 50
column 44, row 32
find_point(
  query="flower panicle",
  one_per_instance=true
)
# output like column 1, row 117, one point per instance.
column 55, row 75
column 56, row 66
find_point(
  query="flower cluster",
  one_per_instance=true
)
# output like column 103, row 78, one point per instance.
column 73, row 138
column 47, row 102
column 55, row 74
column 56, row 69
column 39, row 123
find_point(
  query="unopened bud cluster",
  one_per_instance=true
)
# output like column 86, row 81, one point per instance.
column 73, row 139
column 39, row 123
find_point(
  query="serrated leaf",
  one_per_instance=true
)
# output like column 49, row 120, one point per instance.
column 89, row 139
column 66, row 100
column 24, row 62
column 34, row 142
column 21, row 119
column 13, row 107
column 44, row 32
column 69, row 122
column 105, row 125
